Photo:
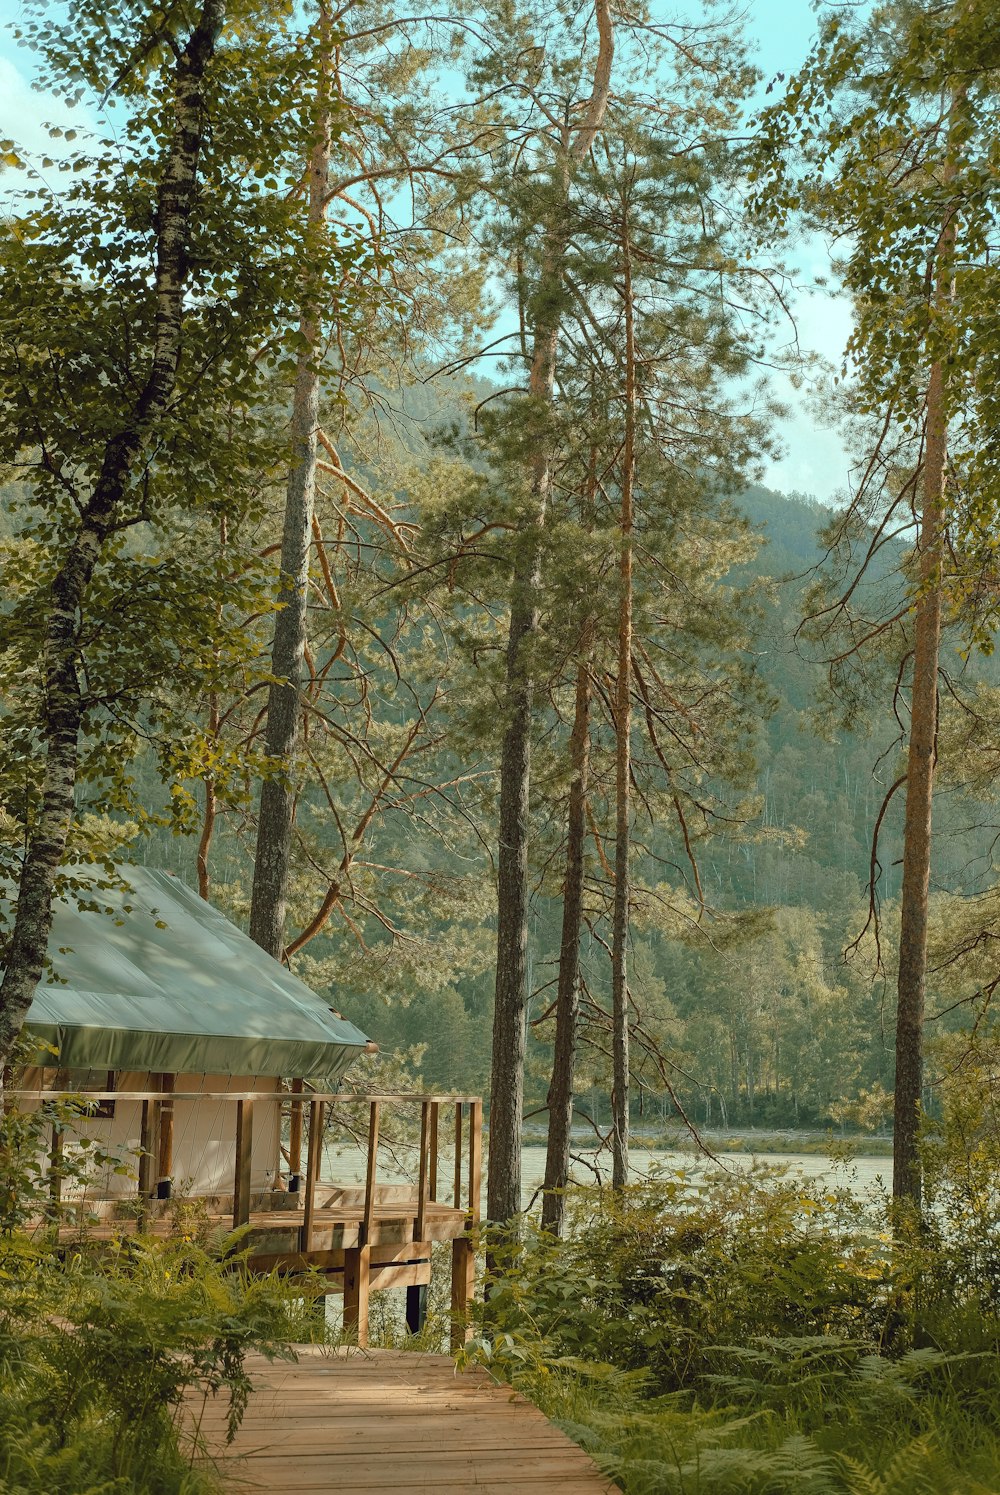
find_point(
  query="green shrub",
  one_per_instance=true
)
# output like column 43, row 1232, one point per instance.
column 102, row 1344
column 710, row 1333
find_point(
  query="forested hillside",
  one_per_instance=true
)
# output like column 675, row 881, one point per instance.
column 753, row 1015
column 383, row 552
column 385, row 399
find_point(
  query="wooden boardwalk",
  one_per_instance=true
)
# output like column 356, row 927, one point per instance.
column 371, row 1422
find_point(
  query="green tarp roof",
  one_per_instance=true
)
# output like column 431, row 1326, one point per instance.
column 193, row 996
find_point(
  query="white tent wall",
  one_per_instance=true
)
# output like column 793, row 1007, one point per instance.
column 204, row 1133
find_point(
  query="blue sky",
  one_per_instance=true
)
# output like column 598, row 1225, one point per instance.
column 814, row 460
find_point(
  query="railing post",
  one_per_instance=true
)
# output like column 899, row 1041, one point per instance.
column 475, row 1160
column 295, row 1142
column 165, row 1150
column 424, row 1176
column 463, row 1250
column 148, row 1150
column 370, row 1174
column 244, row 1148
column 458, row 1154
column 314, row 1159
column 432, row 1185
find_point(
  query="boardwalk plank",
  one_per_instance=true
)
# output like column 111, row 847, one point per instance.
column 386, row 1421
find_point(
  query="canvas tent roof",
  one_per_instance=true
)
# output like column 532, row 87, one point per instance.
column 167, row 983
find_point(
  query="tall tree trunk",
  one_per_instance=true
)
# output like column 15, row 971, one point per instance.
column 272, row 854
column 623, row 758
column 211, row 797
column 503, row 1191
column 922, row 749
column 64, row 708
column 211, row 808
column 560, row 1098
column 906, row 1180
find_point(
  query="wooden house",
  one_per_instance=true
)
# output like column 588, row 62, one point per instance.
column 211, row 1072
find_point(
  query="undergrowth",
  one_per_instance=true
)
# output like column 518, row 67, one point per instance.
column 108, row 1350
column 731, row 1333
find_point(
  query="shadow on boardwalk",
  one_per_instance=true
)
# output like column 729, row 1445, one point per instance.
column 373, row 1422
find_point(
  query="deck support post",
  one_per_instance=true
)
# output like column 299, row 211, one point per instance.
column 416, row 1308
column 244, row 1147
column 463, row 1286
column 357, row 1278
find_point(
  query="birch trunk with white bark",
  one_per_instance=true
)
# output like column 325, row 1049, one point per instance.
column 64, row 708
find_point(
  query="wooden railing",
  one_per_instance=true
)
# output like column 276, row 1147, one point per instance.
column 156, row 1144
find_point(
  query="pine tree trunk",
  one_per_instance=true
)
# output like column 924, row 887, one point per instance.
column 560, row 1097
column 503, row 1190
column 64, row 708
column 921, row 755
column 623, row 762
column 272, row 853
column 906, row 1182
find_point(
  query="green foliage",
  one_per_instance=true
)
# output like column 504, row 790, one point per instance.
column 708, row 1333
column 29, row 1161
column 106, row 1348
column 678, row 1269
column 163, row 622
column 885, row 136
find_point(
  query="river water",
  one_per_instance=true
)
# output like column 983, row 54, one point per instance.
column 863, row 1174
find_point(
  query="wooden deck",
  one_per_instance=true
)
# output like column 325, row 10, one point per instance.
column 358, row 1237
column 372, row 1422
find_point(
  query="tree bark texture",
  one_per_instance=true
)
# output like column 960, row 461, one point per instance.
column 503, row 1190
column 211, row 797
column 921, row 756
column 623, row 759
column 906, row 1182
column 64, row 702
column 272, row 854
column 560, row 1097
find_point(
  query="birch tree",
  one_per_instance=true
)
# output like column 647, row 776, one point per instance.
column 137, row 299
